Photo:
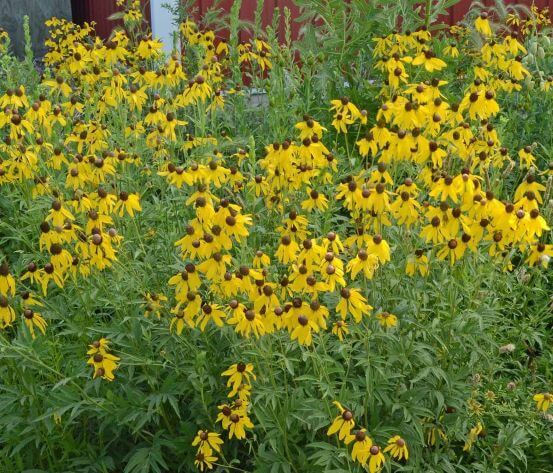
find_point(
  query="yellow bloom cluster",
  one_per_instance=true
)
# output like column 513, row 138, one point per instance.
column 458, row 154
column 233, row 416
column 4, row 41
column 537, row 19
column 364, row 450
column 424, row 175
column 102, row 360
column 78, row 233
column 208, row 443
column 132, row 10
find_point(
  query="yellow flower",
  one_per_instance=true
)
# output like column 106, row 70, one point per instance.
column 340, row 329
column 473, row 436
column 204, row 459
column 387, row 320
column 483, row 25
column 344, row 106
column 239, row 422
column 378, row 200
column 526, row 157
column 149, row 48
column 397, row 448
column 405, row 209
column 262, row 54
column 363, row 261
column 418, row 262
column 210, row 312
column 60, row 85
column 343, row 423
column 445, row 188
column 170, row 125
column 127, row 203
column 315, row 200
column 7, row 282
column 431, row 436
column 287, row 250
column 540, row 254
column 7, row 314
column 367, row 145
column 453, row 250
column 235, row 226
column 247, row 321
column 354, row 303
column 380, row 248
column 361, row 447
column 103, row 362
column 207, row 440
column 239, row 373
column 302, row 328
column 309, row 127
column 434, row 232
column 452, row 50
column 543, row 401
column 376, row 459
column 429, row 60
column 34, row 319
column 136, row 97
column 154, row 304
column 341, row 122
column 261, row 260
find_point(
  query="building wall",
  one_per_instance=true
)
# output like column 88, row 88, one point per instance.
column 12, row 12
column 11, row 19
column 102, row 9
column 162, row 22
column 458, row 11
column 99, row 11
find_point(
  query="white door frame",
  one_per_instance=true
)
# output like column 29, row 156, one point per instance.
column 163, row 26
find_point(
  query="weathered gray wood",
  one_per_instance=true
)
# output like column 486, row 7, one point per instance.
column 11, row 19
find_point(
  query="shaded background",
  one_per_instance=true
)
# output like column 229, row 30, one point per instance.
column 11, row 19
column 12, row 12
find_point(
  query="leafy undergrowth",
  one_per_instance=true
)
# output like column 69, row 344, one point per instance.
column 351, row 273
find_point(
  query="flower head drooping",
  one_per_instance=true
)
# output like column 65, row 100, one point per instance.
column 204, row 459
column 7, row 281
column 34, row 320
column 387, row 320
column 543, row 401
column 397, row 448
column 376, row 459
column 362, row 444
column 103, row 362
column 206, row 441
column 239, row 373
column 473, row 436
column 354, row 303
column 343, row 423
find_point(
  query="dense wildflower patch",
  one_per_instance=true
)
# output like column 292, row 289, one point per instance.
column 294, row 257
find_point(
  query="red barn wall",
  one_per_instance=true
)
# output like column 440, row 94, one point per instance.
column 459, row 10
column 100, row 10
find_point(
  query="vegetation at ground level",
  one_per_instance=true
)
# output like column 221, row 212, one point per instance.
column 350, row 273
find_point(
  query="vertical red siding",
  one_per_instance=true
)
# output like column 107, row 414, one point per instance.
column 295, row 11
column 99, row 10
column 247, row 12
column 460, row 9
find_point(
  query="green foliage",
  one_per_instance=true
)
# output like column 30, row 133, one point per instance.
column 13, row 72
column 443, row 367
